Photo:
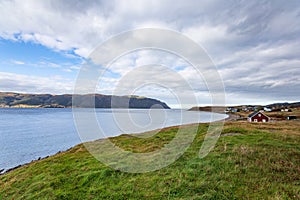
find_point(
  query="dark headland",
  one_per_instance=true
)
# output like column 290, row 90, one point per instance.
column 20, row 100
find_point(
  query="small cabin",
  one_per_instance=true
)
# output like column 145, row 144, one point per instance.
column 258, row 117
column 267, row 109
column 233, row 110
column 286, row 110
column 291, row 117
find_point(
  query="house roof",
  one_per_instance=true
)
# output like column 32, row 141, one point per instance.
column 252, row 114
column 255, row 113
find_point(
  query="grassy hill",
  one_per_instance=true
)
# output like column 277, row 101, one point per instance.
column 250, row 161
column 9, row 99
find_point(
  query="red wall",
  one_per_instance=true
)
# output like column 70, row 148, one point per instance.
column 260, row 119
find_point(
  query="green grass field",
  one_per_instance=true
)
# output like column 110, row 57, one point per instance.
column 256, row 161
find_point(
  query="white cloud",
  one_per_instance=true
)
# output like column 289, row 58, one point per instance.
column 11, row 82
column 255, row 44
column 17, row 62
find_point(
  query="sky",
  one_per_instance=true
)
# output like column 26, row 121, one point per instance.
column 254, row 45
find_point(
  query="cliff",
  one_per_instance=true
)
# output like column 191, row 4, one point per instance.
column 18, row 100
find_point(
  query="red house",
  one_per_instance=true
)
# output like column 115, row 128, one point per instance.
column 258, row 117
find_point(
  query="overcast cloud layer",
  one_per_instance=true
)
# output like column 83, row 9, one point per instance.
column 254, row 44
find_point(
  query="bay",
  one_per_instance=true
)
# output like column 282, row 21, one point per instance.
column 28, row 134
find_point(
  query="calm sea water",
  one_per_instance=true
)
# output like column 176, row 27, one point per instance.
column 27, row 134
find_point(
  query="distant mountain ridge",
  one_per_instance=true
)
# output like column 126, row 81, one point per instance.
column 285, row 104
column 19, row 100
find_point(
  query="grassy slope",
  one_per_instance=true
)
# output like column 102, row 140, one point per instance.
column 261, row 163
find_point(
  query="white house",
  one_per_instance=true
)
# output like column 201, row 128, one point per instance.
column 267, row 109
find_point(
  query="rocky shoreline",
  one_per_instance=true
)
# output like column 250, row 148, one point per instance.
column 5, row 171
column 232, row 117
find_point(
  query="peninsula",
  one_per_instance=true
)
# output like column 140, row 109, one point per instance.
column 21, row 100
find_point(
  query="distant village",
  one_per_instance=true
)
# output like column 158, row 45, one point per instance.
column 264, row 113
column 256, row 108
